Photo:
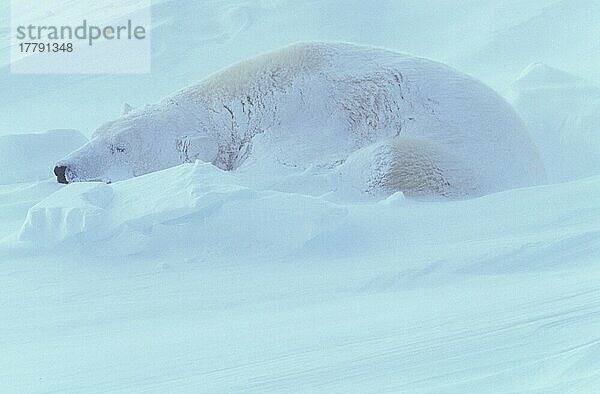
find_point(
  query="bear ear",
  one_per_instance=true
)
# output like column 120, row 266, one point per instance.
column 125, row 109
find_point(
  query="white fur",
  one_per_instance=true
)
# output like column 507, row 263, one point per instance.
column 422, row 168
column 315, row 106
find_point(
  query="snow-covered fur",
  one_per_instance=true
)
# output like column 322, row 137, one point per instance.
column 422, row 168
column 416, row 125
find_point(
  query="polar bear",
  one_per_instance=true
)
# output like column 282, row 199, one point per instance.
column 381, row 120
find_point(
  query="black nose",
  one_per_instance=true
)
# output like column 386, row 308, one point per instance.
column 59, row 171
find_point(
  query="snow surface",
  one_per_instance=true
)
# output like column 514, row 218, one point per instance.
column 186, row 280
column 41, row 151
column 193, row 279
column 562, row 112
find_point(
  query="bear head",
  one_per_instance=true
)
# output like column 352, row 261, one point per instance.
column 141, row 141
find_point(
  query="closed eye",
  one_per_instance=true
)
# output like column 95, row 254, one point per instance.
column 120, row 149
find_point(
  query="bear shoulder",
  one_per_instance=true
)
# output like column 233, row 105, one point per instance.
column 276, row 69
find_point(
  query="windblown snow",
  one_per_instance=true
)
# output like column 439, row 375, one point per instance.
column 196, row 279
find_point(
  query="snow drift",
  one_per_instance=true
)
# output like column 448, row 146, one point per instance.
column 193, row 208
column 562, row 112
column 192, row 204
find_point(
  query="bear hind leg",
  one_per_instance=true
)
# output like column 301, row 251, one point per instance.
column 422, row 169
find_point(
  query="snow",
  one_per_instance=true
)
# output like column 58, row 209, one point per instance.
column 562, row 114
column 42, row 150
column 186, row 280
column 195, row 279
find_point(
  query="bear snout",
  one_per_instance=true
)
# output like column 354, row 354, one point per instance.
column 60, row 171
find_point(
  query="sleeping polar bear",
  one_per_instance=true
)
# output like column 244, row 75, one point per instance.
column 380, row 120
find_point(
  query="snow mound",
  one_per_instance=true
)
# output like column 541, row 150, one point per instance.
column 562, row 33
column 192, row 205
column 16, row 200
column 67, row 213
column 561, row 111
column 199, row 210
column 540, row 76
column 31, row 157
